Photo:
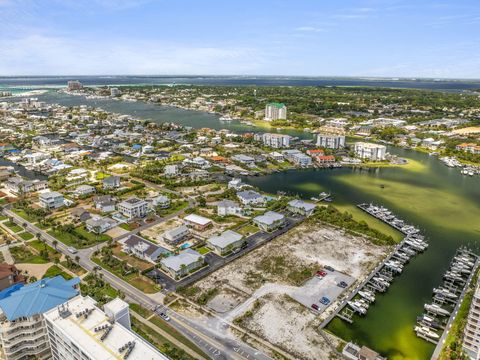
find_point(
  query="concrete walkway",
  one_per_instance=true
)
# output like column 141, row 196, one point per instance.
column 167, row 336
column 7, row 256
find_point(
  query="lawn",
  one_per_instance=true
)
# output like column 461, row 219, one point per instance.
column 78, row 270
column 131, row 260
column 54, row 270
column 126, row 226
column 40, row 246
column 2, row 218
column 26, row 235
column 12, row 226
column 24, row 215
column 247, row 230
column 23, row 254
column 203, row 250
column 101, row 175
column 174, row 207
column 80, row 238
column 98, row 289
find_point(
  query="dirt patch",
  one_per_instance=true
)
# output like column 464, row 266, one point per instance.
column 116, row 232
column 270, row 318
column 37, row 270
column 225, row 301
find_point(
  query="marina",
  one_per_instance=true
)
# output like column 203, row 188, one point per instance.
column 433, row 325
column 380, row 278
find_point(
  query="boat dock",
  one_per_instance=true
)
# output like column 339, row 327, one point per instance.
column 380, row 277
column 432, row 326
column 387, row 217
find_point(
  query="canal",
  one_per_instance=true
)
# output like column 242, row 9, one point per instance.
column 437, row 199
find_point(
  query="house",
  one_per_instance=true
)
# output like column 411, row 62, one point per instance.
column 198, row 162
column 276, row 156
column 176, row 235
column 143, row 249
column 161, row 201
column 9, row 275
column 171, row 170
column 17, row 185
column 133, row 208
column 325, row 159
column 80, row 214
column 111, row 182
column 301, row 207
column 331, row 141
column 370, row 151
column 182, row 264
column 244, row 159
column 297, row 157
column 51, row 200
column 197, row 222
column 269, row 221
column 99, row 225
column 228, row 207
column 235, row 183
column 250, row 197
column 226, row 242
column 83, row 190
column 104, row 203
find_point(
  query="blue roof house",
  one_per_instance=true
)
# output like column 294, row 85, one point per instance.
column 21, row 307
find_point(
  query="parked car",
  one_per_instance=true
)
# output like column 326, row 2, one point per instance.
column 315, row 306
column 321, row 273
column 325, row 301
column 164, row 316
column 329, row 268
column 342, row 284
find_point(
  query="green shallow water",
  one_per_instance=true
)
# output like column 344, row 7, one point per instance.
column 439, row 200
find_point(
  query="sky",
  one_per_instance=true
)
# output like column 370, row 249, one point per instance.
column 368, row 38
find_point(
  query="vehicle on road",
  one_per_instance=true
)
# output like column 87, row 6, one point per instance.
column 72, row 250
column 164, row 316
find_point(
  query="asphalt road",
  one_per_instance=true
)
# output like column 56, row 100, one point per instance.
column 218, row 346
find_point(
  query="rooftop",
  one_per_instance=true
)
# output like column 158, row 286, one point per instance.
column 38, row 297
column 187, row 257
column 224, row 239
column 197, row 219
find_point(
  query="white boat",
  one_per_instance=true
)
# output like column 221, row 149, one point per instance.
column 445, row 292
column 367, row 295
column 225, row 118
column 356, row 306
column 434, row 308
column 426, row 331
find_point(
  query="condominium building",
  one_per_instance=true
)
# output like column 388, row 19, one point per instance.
column 74, row 85
column 23, row 332
column 275, row 111
column 330, row 141
column 471, row 333
column 78, row 329
column 370, row 151
column 51, row 200
column 133, row 208
column 276, row 140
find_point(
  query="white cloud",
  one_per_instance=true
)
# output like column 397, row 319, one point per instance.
column 309, row 29
column 36, row 54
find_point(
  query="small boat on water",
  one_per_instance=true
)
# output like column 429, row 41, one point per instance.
column 434, row 308
column 426, row 331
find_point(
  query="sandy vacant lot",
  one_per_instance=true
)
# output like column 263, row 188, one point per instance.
column 257, row 291
column 37, row 270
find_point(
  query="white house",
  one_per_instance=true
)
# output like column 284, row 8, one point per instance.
column 51, row 200
column 161, row 201
column 228, row 207
column 99, row 225
column 175, row 235
column 133, row 208
column 301, row 207
column 269, row 221
column 84, row 190
column 235, row 183
column 370, row 151
column 111, row 182
column 250, row 197
column 197, row 222
column 226, row 242
column 142, row 248
column 182, row 264
column 171, row 170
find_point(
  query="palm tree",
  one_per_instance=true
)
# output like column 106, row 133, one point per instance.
column 77, row 259
column 55, row 243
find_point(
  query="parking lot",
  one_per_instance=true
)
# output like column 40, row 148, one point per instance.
column 317, row 287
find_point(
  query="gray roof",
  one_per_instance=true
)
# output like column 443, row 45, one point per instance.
column 269, row 217
column 111, row 180
column 302, row 205
column 176, row 231
column 186, row 258
column 224, row 239
column 248, row 195
column 227, row 203
column 134, row 240
column 100, row 221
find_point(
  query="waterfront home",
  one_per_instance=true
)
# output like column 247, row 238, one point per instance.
column 197, row 222
column 244, row 159
column 297, row 157
column 111, row 182
column 228, row 207
column 235, row 183
column 276, row 141
column 142, row 248
column 99, row 225
column 330, row 141
column 83, row 190
column 51, row 200
column 182, row 264
column 198, row 162
column 325, row 159
column 251, row 198
column 161, row 201
column 226, row 242
column 133, row 208
column 301, row 207
column 276, row 156
column 176, row 235
column 269, row 221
